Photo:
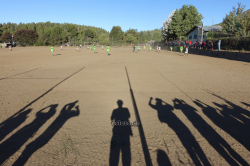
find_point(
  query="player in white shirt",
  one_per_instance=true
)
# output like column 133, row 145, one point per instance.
column 77, row 48
column 102, row 46
column 61, row 47
column 159, row 48
column 156, row 48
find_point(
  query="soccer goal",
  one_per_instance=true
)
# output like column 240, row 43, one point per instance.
column 90, row 43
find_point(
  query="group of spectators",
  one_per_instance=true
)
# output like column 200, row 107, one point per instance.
column 199, row 44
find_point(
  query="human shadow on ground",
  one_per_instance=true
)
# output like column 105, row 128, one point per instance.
column 66, row 113
column 245, row 104
column 35, row 100
column 162, row 158
column 13, row 123
column 166, row 115
column 120, row 141
column 16, row 141
column 231, row 118
column 212, row 137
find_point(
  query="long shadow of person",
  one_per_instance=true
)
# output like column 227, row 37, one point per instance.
column 213, row 138
column 65, row 114
column 162, row 158
column 120, row 140
column 166, row 115
column 228, row 120
column 16, row 141
column 13, row 123
column 236, row 110
column 245, row 104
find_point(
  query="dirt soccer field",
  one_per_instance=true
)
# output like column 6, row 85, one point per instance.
column 57, row 110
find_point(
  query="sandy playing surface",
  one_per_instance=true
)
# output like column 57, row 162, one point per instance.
column 56, row 110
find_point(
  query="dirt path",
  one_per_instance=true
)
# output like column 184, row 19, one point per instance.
column 56, row 110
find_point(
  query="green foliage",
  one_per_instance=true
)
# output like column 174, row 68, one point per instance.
column 183, row 20
column 6, row 37
column 57, row 36
column 237, row 22
column 90, row 33
column 116, row 33
column 26, row 37
column 72, row 30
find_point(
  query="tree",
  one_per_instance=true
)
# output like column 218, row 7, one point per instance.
column 6, row 37
column 235, row 23
column 182, row 21
column 90, row 33
column 117, row 33
column 131, row 36
column 26, row 37
column 166, row 25
column 57, row 36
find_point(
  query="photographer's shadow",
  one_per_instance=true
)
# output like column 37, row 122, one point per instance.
column 120, row 140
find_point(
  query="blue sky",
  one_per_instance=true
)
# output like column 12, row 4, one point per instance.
column 140, row 15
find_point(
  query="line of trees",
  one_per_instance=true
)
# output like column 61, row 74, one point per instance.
column 55, row 34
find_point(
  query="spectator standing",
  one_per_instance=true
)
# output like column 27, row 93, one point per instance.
column 219, row 42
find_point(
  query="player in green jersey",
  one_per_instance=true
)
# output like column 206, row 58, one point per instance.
column 90, row 47
column 52, row 50
column 150, row 48
column 137, row 48
column 171, row 48
column 181, row 49
column 108, row 48
column 94, row 48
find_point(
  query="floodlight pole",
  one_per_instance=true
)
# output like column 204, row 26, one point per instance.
column 202, row 30
column 212, row 28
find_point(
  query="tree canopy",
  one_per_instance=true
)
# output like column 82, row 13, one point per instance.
column 181, row 22
column 26, row 37
column 6, row 37
column 237, row 22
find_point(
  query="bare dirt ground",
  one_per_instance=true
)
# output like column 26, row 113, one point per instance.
column 56, row 110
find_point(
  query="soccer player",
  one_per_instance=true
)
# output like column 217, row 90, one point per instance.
column 61, row 47
column 171, row 48
column 76, row 47
column 108, row 48
column 102, row 46
column 156, row 48
column 159, row 48
column 90, row 47
column 52, row 49
column 137, row 48
column 150, row 48
column 181, row 48
column 144, row 47
column 94, row 48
